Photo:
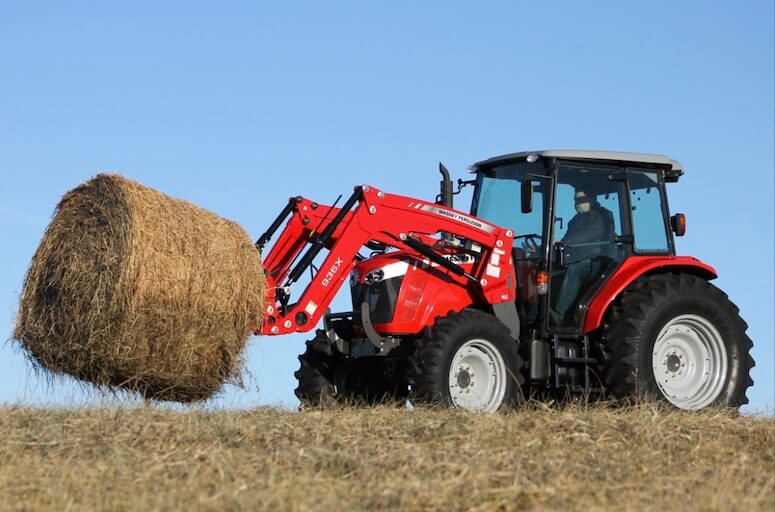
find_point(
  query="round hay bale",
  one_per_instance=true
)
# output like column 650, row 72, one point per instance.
column 133, row 289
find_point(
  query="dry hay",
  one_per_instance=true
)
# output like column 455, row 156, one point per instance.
column 536, row 458
column 133, row 289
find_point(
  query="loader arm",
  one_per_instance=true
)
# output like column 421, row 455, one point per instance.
column 371, row 215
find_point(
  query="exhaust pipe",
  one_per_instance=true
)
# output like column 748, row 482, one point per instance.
column 445, row 196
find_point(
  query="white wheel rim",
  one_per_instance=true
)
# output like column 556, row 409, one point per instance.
column 477, row 377
column 690, row 362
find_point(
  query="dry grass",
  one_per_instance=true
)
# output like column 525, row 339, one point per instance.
column 537, row 458
column 134, row 289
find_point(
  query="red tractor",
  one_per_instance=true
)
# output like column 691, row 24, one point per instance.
column 562, row 280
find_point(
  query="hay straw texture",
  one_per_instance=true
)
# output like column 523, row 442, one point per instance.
column 645, row 458
column 133, row 289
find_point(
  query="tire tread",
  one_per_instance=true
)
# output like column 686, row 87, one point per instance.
column 629, row 317
column 428, row 378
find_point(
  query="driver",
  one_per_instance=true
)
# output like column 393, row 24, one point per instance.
column 589, row 225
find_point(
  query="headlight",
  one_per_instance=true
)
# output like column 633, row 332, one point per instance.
column 375, row 276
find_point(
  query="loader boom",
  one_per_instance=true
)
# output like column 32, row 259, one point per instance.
column 371, row 216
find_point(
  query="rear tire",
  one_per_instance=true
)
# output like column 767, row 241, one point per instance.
column 677, row 338
column 467, row 360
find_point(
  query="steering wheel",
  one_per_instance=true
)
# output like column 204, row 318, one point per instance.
column 531, row 243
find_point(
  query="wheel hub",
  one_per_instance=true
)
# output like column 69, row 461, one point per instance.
column 690, row 362
column 464, row 378
column 477, row 376
column 673, row 362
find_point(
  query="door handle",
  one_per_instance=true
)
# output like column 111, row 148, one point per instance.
column 559, row 249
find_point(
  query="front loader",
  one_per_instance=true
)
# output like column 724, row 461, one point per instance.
column 523, row 296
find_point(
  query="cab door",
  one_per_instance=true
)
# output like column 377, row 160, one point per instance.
column 587, row 243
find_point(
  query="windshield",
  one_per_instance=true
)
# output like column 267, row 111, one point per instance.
column 497, row 198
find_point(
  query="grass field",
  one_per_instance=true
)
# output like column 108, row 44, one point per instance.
column 539, row 458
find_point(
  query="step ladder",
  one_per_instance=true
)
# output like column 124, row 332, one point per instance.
column 585, row 362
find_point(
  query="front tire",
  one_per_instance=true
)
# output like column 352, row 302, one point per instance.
column 467, row 360
column 327, row 378
column 316, row 375
column 678, row 338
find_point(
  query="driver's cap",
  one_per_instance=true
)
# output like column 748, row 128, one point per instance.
column 582, row 197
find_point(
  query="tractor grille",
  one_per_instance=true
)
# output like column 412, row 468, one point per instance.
column 381, row 298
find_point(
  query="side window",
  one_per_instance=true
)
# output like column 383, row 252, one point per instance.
column 648, row 221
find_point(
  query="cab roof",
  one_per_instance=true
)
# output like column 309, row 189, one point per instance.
column 672, row 168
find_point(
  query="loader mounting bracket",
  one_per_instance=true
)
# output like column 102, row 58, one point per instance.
column 383, row 344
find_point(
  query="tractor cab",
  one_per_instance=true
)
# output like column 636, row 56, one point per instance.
column 577, row 217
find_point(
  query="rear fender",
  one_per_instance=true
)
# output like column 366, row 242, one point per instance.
column 631, row 269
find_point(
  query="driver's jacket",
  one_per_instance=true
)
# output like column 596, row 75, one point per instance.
column 588, row 227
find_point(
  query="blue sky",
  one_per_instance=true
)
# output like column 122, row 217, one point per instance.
column 239, row 105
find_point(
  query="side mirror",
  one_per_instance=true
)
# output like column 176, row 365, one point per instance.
column 527, row 196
